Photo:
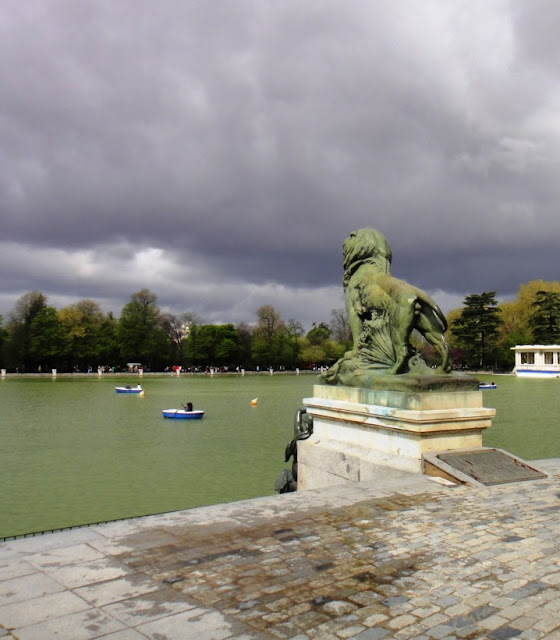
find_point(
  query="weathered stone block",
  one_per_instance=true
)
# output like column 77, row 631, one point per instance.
column 356, row 431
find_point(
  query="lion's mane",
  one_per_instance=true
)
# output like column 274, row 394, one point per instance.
column 361, row 246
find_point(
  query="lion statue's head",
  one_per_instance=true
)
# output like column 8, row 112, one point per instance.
column 362, row 246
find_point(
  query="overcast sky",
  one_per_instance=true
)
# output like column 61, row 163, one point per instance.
column 219, row 153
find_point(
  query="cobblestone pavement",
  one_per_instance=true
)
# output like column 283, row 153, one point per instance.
column 412, row 559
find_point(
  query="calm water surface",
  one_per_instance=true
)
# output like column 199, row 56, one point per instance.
column 527, row 421
column 72, row 451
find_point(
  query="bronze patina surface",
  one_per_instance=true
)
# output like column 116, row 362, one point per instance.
column 412, row 382
column 383, row 311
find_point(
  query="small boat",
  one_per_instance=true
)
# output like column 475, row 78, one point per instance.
column 129, row 389
column 182, row 414
column 488, row 386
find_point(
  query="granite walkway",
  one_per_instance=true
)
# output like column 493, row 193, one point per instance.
column 409, row 558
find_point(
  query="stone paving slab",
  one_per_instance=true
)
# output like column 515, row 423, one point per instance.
column 43, row 608
column 84, row 625
column 407, row 558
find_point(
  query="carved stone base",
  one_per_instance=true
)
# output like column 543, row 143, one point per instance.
column 360, row 434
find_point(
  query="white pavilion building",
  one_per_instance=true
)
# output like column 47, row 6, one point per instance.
column 537, row 360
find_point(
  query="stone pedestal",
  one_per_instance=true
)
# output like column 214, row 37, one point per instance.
column 360, row 434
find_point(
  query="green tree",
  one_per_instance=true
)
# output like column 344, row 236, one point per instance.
column 245, row 342
column 18, row 329
column 213, row 345
column 82, row 322
column 476, row 327
column 3, row 340
column 27, row 307
column 318, row 333
column 47, row 339
column 320, row 349
column 505, row 357
column 545, row 317
column 513, row 330
column 269, row 337
column 294, row 334
column 227, row 350
column 108, row 344
column 313, row 354
column 139, row 331
column 333, row 351
column 521, row 308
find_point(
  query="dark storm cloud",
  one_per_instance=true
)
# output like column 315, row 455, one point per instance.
column 236, row 144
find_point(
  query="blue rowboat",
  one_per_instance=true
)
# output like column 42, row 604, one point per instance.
column 137, row 389
column 487, row 386
column 182, row 414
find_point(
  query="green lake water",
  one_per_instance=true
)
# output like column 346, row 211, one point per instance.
column 72, row 451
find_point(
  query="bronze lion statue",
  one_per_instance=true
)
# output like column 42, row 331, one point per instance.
column 383, row 312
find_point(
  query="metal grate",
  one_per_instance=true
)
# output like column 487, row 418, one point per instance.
column 490, row 466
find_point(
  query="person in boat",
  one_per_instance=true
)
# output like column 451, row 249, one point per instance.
column 188, row 406
column 128, row 386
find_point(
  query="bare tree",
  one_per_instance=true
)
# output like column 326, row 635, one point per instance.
column 269, row 323
column 340, row 326
column 177, row 328
column 27, row 306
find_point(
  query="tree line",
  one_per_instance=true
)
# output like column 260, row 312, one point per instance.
column 38, row 337
column 482, row 332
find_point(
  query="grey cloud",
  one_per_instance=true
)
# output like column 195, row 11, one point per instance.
column 250, row 138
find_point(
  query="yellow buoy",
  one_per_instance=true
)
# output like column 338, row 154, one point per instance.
column 254, row 402
column 142, row 393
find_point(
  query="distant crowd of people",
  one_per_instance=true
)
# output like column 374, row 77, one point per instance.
column 139, row 369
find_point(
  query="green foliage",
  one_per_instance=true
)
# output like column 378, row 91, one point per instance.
column 314, row 354
column 18, row 329
column 3, row 337
column 213, row 345
column 108, row 345
column 521, row 307
column 476, row 327
column 333, row 351
column 244, row 340
column 82, row 322
column 47, row 341
column 269, row 336
column 27, row 307
column 545, row 317
column 81, row 335
column 267, row 350
column 480, row 334
column 504, row 355
column 139, row 332
column 16, row 347
column 294, row 343
column 319, row 333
